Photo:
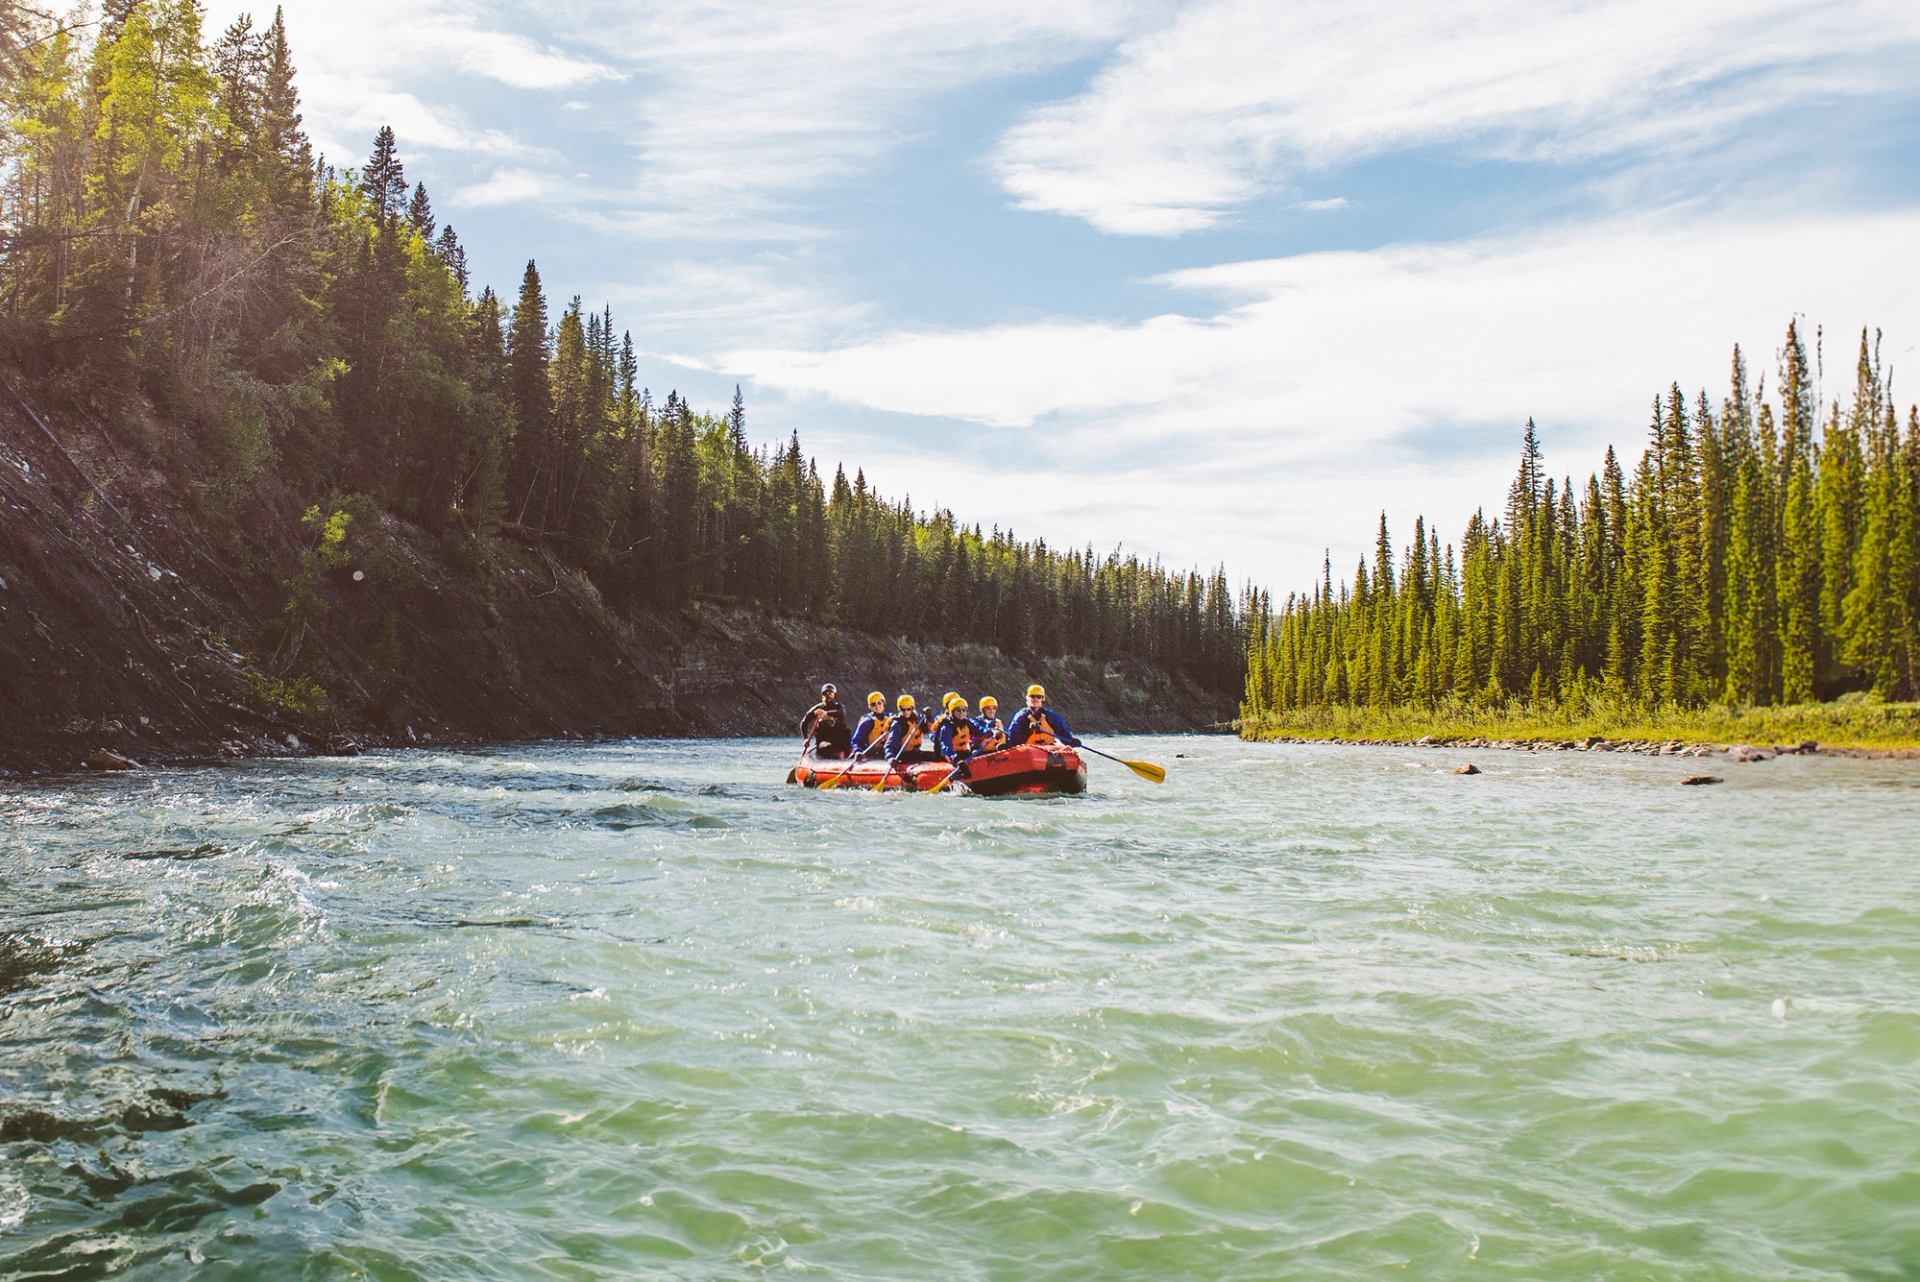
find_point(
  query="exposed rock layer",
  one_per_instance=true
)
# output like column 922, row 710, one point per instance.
column 140, row 615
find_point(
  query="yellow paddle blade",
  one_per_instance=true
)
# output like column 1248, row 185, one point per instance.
column 943, row 783
column 1145, row 769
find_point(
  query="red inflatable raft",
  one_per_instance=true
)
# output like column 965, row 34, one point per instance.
column 1023, row 771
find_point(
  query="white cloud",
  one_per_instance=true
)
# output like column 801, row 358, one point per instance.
column 1326, row 206
column 510, row 59
column 1234, row 98
column 505, row 187
column 750, row 103
column 757, row 299
column 364, row 63
column 1330, row 383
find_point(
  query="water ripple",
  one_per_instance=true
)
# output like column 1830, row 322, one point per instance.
column 622, row 1010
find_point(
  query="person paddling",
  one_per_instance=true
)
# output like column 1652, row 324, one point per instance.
column 826, row 724
column 955, row 739
column 992, row 731
column 906, row 732
column 873, row 727
column 1038, row 724
column 934, row 722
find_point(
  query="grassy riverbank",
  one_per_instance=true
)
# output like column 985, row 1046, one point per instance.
column 1844, row 724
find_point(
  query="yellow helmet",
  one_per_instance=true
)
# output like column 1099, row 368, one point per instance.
column 946, row 700
column 959, row 703
column 988, row 701
column 904, row 702
column 876, row 697
column 1036, row 689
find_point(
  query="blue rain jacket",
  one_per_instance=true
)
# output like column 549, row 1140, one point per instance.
column 943, row 741
column 1021, row 728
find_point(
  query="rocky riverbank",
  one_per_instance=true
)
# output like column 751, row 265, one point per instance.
column 145, row 618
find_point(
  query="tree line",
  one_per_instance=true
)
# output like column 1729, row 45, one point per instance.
column 168, row 238
column 1759, row 553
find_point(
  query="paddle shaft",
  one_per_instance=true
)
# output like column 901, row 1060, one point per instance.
column 858, row 757
column 952, row 775
column 1145, row 769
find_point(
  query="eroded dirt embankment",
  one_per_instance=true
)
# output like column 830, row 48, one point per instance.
column 145, row 617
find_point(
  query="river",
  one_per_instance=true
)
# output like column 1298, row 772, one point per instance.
column 639, row 1010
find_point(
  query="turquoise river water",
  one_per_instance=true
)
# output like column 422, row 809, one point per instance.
column 638, row 1010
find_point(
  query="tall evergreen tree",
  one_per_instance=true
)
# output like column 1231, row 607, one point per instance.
column 383, row 180
column 530, row 478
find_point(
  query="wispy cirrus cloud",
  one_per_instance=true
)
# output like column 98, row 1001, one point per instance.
column 764, row 297
column 1235, row 98
column 752, row 104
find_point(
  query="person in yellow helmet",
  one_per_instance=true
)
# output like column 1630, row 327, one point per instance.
column 991, row 730
column 955, row 739
column 1038, row 724
column 931, row 724
column 872, row 729
column 906, row 732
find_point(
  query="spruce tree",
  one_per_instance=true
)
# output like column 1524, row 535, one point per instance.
column 420, row 214
column 532, row 400
column 384, row 179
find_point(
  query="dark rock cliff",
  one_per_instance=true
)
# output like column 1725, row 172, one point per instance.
column 148, row 617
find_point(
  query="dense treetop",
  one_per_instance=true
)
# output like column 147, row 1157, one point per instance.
column 167, row 237
column 1758, row 553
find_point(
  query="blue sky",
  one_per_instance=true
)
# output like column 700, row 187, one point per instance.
column 1216, row 281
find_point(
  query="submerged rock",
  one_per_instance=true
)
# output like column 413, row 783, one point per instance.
column 1746, row 752
column 1468, row 769
column 1694, row 780
column 105, row 759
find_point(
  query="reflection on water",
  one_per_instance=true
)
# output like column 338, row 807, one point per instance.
column 641, row 1010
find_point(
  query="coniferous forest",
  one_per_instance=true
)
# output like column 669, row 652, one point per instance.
column 1764, row 550
column 172, row 242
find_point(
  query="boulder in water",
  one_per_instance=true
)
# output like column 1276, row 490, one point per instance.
column 1696, row 780
column 1468, row 769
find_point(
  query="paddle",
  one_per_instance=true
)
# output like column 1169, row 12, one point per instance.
column 793, row 775
column 894, row 762
column 952, row 776
column 1145, row 769
column 858, row 757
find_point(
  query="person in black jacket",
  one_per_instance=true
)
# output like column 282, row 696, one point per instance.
column 826, row 724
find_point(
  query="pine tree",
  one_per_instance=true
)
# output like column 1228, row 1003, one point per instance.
column 384, row 179
column 530, row 476
column 737, row 421
column 453, row 255
column 420, row 214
